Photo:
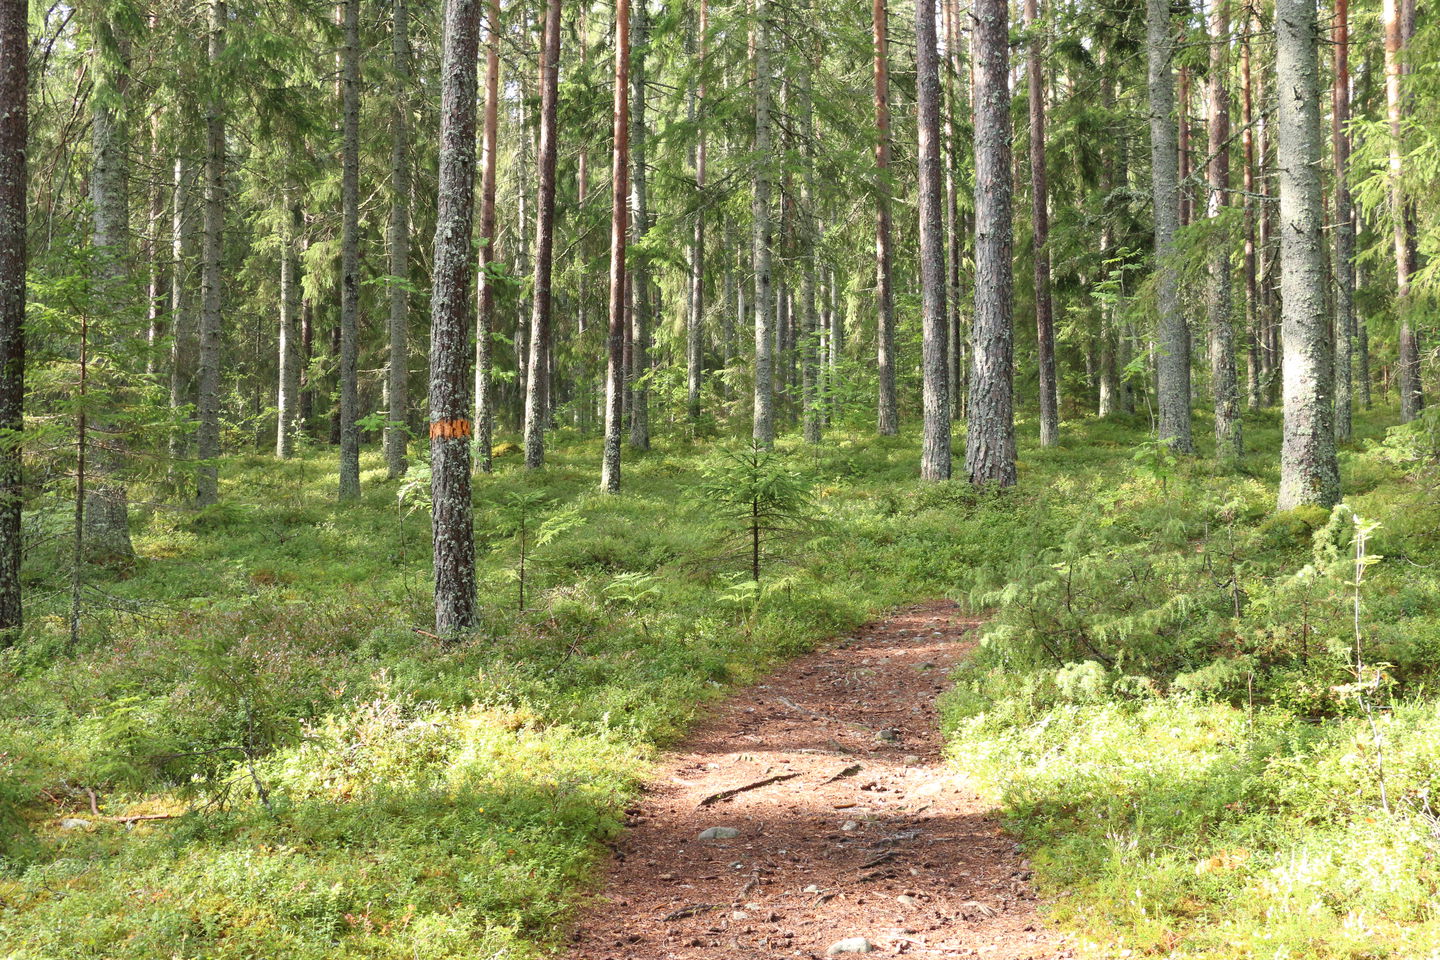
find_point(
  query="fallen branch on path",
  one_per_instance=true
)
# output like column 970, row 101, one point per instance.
column 689, row 911
column 736, row 791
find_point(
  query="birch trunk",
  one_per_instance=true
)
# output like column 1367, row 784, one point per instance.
column 1247, row 143
column 694, row 330
column 935, row 443
column 887, row 418
column 1040, row 217
column 453, row 532
column 764, row 416
column 350, row 251
column 183, row 344
column 289, row 360
column 1308, row 469
column 485, row 319
column 990, row 441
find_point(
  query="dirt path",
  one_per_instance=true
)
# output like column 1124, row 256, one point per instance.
column 859, row 832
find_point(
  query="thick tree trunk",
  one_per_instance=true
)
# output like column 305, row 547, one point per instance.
column 485, row 322
column 619, row 175
column 1040, row 217
column 990, row 441
column 887, row 417
column 14, row 123
column 207, row 407
column 350, row 251
column 1173, row 354
column 287, row 422
column 1402, row 215
column 1308, row 469
column 537, row 391
column 1229, row 444
column 639, row 226
column 398, row 362
column 935, row 443
column 694, row 330
column 1344, row 221
column 763, row 429
column 453, row 529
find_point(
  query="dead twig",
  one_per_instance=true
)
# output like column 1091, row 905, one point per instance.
column 736, row 791
column 690, row 911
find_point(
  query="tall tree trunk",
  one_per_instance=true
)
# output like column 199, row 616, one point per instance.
column 1040, row 216
column 207, row 408
column 289, row 366
column 485, row 323
column 157, row 298
column 763, row 429
column 1344, row 221
column 14, row 122
column 1229, row 443
column 1247, row 141
column 350, row 251
column 183, row 346
column 956, row 104
column 935, row 444
column 809, row 332
column 450, row 324
column 537, row 391
column 990, row 441
column 1308, row 469
column 619, row 172
column 1401, row 213
column 1173, row 360
column 694, row 355
column 639, row 226
column 398, row 366
column 888, row 422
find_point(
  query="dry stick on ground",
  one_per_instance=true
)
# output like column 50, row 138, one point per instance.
column 736, row 791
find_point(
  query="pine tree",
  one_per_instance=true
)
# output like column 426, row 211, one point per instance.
column 935, row 448
column 14, row 123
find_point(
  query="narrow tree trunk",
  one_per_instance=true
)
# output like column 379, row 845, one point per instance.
column 398, row 368
column 1247, row 140
column 1362, row 340
column 1344, row 221
column 450, row 324
column 990, row 441
column 537, row 391
column 182, row 306
column 1040, row 217
column 888, row 422
column 207, row 408
column 350, row 251
column 1403, row 223
column 639, row 226
column 694, row 331
column 763, row 429
column 1308, row 469
column 935, row 444
column 14, row 122
column 485, row 323
column 1173, row 360
column 809, row 237
column 619, row 174
column 1229, row 444
column 956, row 104
column 289, row 361
column 157, row 299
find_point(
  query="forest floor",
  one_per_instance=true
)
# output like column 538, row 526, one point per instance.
column 851, row 833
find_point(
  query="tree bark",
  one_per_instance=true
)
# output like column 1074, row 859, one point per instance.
column 14, row 123
column 207, row 408
column 350, row 251
column 453, row 533
column 694, row 354
column 289, row 360
column 764, row 416
column 485, row 322
column 1229, row 443
column 1247, row 145
column 990, row 441
column 1412, row 399
column 956, row 104
column 183, row 345
column 888, row 422
column 398, row 365
column 809, row 237
column 619, row 174
column 1173, row 355
column 1308, row 469
column 1344, row 221
column 537, row 392
column 935, row 442
column 639, row 226
column 1040, row 217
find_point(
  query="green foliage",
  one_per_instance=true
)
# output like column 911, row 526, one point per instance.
column 758, row 500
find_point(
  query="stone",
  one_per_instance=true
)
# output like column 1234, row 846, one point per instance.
column 74, row 823
column 905, row 900
column 888, row 735
column 851, row 825
column 718, row 833
column 849, row 945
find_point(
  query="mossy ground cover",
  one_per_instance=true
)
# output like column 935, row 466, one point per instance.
column 347, row 786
